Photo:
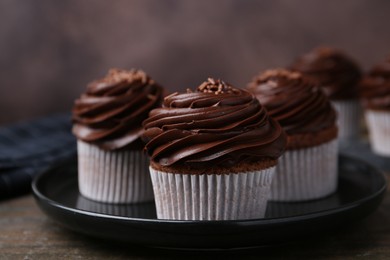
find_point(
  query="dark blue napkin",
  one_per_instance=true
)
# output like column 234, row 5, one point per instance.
column 28, row 148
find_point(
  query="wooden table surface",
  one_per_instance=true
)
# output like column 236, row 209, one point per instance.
column 26, row 233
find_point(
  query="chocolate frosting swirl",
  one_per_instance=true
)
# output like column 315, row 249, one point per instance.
column 294, row 101
column 375, row 87
column 111, row 112
column 337, row 73
column 217, row 125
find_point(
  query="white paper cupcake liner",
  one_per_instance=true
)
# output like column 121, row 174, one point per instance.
column 306, row 174
column 348, row 119
column 211, row 197
column 378, row 123
column 113, row 176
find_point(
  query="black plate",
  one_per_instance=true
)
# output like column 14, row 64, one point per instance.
column 361, row 189
column 361, row 149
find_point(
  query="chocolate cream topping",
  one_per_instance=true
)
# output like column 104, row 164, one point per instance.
column 111, row 112
column 375, row 87
column 216, row 125
column 294, row 101
column 337, row 73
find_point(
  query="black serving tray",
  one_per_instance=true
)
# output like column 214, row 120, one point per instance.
column 360, row 191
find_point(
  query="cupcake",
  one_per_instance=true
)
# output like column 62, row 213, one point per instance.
column 112, row 166
column 339, row 76
column 375, row 94
column 213, row 154
column 308, row 168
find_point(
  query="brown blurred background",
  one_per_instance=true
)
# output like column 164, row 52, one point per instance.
column 49, row 50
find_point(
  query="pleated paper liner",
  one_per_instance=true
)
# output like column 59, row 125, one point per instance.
column 211, row 197
column 306, row 174
column 348, row 119
column 378, row 123
column 113, row 176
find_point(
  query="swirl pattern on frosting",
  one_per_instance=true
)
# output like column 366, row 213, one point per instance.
column 375, row 87
column 294, row 101
column 217, row 125
column 111, row 112
column 337, row 73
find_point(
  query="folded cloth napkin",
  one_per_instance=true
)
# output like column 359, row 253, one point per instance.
column 28, row 148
